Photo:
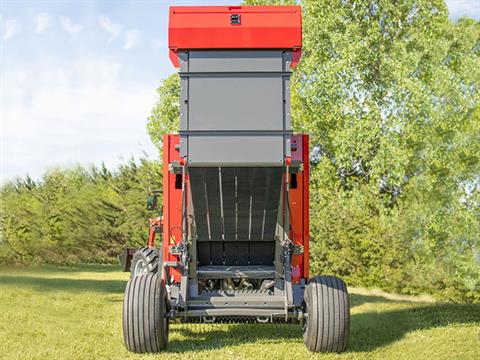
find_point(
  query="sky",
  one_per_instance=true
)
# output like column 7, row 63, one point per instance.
column 78, row 79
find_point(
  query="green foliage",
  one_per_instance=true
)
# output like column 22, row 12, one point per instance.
column 165, row 117
column 74, row 215
column 389, row 93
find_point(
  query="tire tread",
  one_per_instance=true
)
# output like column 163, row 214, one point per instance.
column 145, row 327
column 328, row 314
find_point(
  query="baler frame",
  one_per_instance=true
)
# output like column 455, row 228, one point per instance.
column 235, row 219
column 180, row 271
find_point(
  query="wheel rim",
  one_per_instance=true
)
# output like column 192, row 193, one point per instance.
column 140, row 268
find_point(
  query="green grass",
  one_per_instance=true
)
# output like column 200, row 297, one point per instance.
column 75, row 313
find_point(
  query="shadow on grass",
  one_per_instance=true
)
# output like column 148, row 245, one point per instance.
column 47, row 269
column 357, row 300
column 42, row 284
column 368, row 331
column 233, row 335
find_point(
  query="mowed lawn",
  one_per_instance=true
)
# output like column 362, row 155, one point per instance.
column 75, row 313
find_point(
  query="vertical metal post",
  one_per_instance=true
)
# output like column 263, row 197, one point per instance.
column 287, row 245
column 184, row 256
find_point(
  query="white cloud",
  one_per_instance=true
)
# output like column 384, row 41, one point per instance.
column 68, row 25
column 10, row 29
column 42, row 22
column 109, row 26
column 131, row 39
column 85, row 112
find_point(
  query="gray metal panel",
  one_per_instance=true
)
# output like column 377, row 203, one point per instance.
column 184, row 103
column 183, row 60
column 235, row 90
column 211, row 150
column 287, row 60
column 183, row 145
column 236, row 102
column 286, row 103
column 288, row 145
column 222, row 272
column 235, row 60
column 236, row 311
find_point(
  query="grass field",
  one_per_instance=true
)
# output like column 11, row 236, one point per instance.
column 75, row 313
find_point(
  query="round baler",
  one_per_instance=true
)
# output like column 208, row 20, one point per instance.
column 235, row 219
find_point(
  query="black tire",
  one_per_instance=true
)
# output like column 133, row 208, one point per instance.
column 145, row 305
column 328, row 315
column 145, row 261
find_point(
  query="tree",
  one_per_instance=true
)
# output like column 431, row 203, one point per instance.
column 165, row 117
column 389, row 93
column 77, row 214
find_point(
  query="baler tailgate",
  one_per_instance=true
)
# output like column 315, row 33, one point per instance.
column 236, row 204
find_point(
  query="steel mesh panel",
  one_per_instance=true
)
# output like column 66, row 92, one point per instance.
column 272, row 198
column 244, row 185
column 197, row 188
column 235, row 203
column 235, row 212
column 212, row 183
column 229, row 203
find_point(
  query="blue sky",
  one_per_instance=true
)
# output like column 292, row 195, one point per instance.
column 78, row 79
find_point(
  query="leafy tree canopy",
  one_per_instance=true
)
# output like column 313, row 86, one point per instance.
column 389, row 94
